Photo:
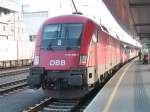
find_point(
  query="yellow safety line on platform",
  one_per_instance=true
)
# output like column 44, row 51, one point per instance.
column 109, row 102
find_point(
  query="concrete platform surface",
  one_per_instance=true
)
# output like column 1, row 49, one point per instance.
column 127, row 91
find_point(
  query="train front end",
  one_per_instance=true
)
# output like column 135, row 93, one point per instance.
column 58, row 64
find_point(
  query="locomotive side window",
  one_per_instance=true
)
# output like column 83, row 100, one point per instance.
column 98, row 36
column 95, row 37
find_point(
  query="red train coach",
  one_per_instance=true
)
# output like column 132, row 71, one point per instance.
column 72, row 55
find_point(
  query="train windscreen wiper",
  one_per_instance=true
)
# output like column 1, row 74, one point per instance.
column 68, row 48
column 49, row 47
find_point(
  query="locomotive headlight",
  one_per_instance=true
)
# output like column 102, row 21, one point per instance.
column 36, row 60
column 83, row 60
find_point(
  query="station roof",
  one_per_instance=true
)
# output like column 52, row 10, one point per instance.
column 133, row 16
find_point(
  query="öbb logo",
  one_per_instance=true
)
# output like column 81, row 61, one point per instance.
column 57, row 63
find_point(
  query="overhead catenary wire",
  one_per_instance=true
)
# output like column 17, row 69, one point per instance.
column 74, row 5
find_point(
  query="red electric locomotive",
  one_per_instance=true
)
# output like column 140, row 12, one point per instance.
column 72, row 55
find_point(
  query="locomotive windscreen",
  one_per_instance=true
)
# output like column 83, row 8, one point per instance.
column 65, row 36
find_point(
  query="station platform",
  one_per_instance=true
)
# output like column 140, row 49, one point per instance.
column 127, row 91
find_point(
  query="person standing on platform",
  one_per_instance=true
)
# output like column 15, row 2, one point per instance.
column 140, row 54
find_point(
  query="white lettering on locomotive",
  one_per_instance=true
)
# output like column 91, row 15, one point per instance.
column 72, row 54
column 57, row 63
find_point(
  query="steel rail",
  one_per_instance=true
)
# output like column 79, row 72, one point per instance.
column 13, row 72
column 6, row 87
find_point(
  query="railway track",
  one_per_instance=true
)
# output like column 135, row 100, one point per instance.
column 11, row 72
column 64, row 105
column 14, row 85
column 54, row 105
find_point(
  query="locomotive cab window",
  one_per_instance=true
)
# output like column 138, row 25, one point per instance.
column 62, row 36
column 51, row 32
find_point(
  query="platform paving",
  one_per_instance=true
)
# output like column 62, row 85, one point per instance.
column 127, row 91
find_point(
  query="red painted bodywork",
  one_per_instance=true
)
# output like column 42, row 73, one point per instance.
column 70, row 61
column 100, row 52
column 106, row 51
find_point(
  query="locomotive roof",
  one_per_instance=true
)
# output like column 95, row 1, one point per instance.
column 75, row 18
column 67, row 18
